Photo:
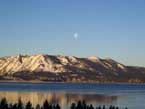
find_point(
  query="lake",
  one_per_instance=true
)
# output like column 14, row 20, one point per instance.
column 122, row 95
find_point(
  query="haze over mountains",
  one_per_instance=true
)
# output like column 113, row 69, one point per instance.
column 67, row 69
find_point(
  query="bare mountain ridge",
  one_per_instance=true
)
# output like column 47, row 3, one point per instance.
column 67, row 69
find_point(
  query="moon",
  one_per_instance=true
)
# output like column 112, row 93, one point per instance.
column 76, row 35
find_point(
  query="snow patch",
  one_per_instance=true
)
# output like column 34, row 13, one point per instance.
column 121, row 66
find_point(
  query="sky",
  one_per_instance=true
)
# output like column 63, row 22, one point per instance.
column 103, row 28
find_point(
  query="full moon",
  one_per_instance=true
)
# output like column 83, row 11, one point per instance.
column 76, row 35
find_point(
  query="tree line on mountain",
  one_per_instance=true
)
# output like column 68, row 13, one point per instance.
column 46, row 105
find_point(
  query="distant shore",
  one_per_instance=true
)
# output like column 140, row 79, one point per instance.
column 37, row 81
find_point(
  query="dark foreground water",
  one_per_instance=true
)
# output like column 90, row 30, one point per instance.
column 122, row 95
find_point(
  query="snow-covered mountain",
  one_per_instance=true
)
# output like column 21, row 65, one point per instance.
column 67, row 68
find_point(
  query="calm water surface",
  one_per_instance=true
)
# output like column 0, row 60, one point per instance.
column 122, row 95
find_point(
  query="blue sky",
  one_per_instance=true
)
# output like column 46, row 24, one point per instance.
column 103, row 28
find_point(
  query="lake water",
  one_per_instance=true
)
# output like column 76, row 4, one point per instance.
column 122, row 95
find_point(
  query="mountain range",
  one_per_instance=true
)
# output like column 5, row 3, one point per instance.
column 49, row 68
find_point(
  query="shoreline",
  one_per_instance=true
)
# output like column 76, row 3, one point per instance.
column 49, row 82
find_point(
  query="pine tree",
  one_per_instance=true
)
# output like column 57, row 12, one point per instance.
column 20, row 104
column 46, row 105
column 37, row 106
column 15, row 106
column 4, row 104
column 29, row 105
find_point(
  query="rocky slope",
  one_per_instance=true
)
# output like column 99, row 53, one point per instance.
column 67, row 69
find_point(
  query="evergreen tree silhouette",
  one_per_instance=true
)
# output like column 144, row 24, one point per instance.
column 117, row 107
column 50, row 106
column 103, row 106
column 4, row 104
column 15, row 106
column 91, row 106
column 88, row 107
column 45, row 104
column 110, row 107
column 20, row 104
column 57, row 106
column 113, row 107
column 29, row 105
column 73, row 106
column 79, row 105
column 84, row 104
column 38, row 106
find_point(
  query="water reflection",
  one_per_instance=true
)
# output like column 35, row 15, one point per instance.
column 64, row 99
